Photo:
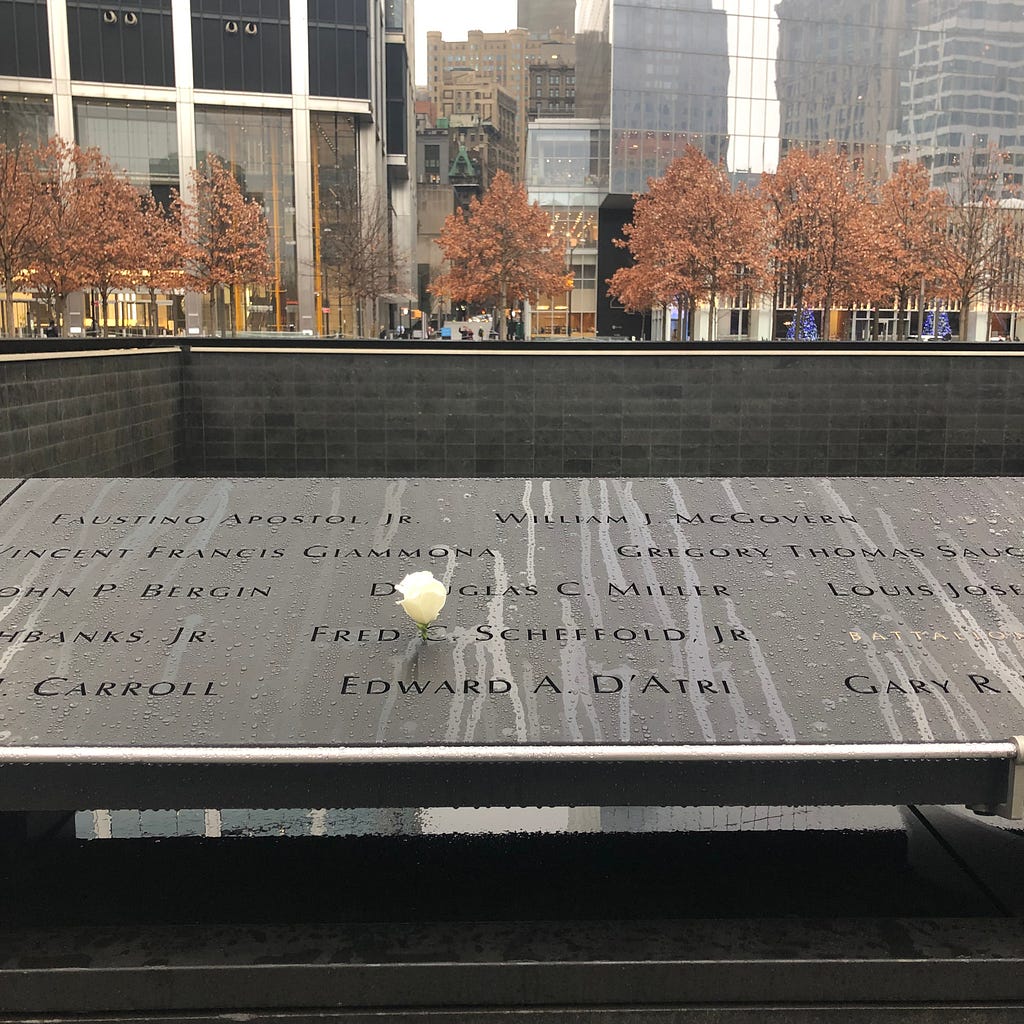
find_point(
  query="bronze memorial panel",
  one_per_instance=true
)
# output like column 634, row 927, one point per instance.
column 202, row 614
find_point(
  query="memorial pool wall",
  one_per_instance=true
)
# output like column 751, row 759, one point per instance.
column 642, row 410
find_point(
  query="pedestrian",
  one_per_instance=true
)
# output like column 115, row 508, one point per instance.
column 51, row 330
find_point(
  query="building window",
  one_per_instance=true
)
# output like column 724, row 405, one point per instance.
column 25, row 117
column 584, row 275
column 141, row 138
column 335, row 166
column 339, row 48
column 241, row 52
column 256, row 144
column 432, row 164
column 130, row 43
column 396, row 79
column 24, row 39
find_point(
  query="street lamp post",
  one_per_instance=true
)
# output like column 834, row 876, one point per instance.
column 573, row 245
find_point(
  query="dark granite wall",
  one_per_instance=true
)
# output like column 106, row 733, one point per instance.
column 470, row 415
column 457, row 414
column 111, row 415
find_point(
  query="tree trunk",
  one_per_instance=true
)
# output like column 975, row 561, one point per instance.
column 901, row 308
column 214, row 311
column 153, row 312
column 798, row 321
column 104, row 296
column 712, row 320
column 826, row 318
column 965, row 305
column 502, row 303
column 775, row 307
column 9, row 307
column 59, row 303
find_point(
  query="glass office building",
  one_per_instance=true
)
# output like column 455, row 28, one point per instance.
column 962, row 86
column 567, row 175
column 748, row 80
column 302, row 99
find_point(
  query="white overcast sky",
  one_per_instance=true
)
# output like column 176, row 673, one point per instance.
column 454, row 18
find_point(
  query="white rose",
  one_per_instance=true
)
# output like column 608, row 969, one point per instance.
column 422, row 598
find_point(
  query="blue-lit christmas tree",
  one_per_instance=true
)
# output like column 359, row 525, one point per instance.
column 944, row 331
column 808, row 327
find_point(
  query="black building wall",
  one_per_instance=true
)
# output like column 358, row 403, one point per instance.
column 613, row 320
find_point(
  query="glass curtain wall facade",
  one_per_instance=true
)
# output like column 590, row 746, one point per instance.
column 142, row 140
column 335, row 187
column 25, row 117
column 257, row 146
column 567, row 174
column 661, row 101
column 292, row 95
column 962, row 87
column 748, row 80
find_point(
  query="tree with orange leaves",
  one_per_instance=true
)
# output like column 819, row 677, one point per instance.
column 501, row 248
column 225, row 234
column 912, row 220
column 820, row 228
column 20, row 199
column 68, row 220
column 640, row 287
column 116, row 213
column 158, row 252
column 693, row 239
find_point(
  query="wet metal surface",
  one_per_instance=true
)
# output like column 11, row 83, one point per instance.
column 218, row 613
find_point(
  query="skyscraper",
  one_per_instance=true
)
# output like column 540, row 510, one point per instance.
column 542, row 17
column 657, row 73
column 660, row 71
column 838, row 76
column 962, row 88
